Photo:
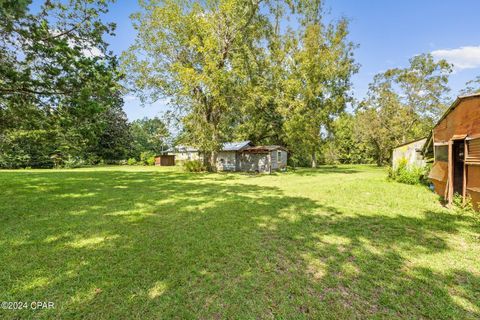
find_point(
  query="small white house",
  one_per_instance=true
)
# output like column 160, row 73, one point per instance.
column 239, row 156
column 411, row 152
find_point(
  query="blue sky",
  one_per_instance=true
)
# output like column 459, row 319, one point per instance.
column 388, row 34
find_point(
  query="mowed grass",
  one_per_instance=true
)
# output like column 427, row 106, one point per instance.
column 157, row 243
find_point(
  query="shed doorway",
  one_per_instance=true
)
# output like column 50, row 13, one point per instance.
column 458, row 157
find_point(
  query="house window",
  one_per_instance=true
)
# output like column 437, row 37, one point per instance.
column 441, row 153
column 279, row 156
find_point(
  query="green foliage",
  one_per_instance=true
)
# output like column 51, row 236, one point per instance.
column 22, row 148
column 318, row 86
column 194, row 166
column 131, row 161
column 73, row 162
column 57, row 82
column 404, row 173
column 344, row 144
column 402, row 105
column 462, row 206
column 472, row 86
column 148, row 135
column 115, row 138
column 147, row 158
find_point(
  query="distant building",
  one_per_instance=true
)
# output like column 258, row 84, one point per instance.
column 411, row 152
column 239, row 156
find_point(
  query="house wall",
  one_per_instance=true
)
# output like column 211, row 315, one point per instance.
column 227, row 161
column 255, row 162
column 186, row 156
column 410, row 153
column 463, row 120
column 278, row 163
column 240, row 161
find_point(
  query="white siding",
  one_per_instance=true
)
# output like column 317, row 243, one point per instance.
column 226, row 161
column 186, row 156
column 255, row 162
column 279, row 159
column 410, row 153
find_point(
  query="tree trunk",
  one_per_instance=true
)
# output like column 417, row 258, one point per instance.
column 213, row 162
column 210, row 161
column 314, row 159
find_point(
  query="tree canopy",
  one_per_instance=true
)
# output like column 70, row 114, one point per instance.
column 56, row 77
column 230, row 71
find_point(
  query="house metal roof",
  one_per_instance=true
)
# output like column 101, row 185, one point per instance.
column 409, row 142
column 235, row 146
column 227, row 146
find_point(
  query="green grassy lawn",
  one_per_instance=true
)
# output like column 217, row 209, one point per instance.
column 153, row 243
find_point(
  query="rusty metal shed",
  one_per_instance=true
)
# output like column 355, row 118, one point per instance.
column 455, row 142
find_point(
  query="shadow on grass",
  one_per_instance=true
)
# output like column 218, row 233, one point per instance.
column 152, row 245
column 324, row 169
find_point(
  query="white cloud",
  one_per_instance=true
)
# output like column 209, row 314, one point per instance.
column 461, row 58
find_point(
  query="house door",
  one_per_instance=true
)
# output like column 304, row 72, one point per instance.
column 458, row 159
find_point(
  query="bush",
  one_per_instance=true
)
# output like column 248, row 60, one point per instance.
column 26, row 148
column 462, row 207
column 409, row 175
column 194, row 166
column 147, row 158
column 73, row 162
column 93, row 159
column 131, row 162
column 150, row 161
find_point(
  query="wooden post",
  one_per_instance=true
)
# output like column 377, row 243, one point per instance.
column 450, row 172
column 465, row 168
column 269, row 162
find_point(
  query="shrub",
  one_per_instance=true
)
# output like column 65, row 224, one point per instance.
column 73, row 162
column 194, row 166
column 93, row 159
column 26, row 148
column 147, row 158
column 466, row 207
column 462, row 207
column 408, row 174
column 131, row 162
column 150, row 161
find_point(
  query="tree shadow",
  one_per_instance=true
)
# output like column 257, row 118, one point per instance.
column 176, row 245
column 325, row 169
